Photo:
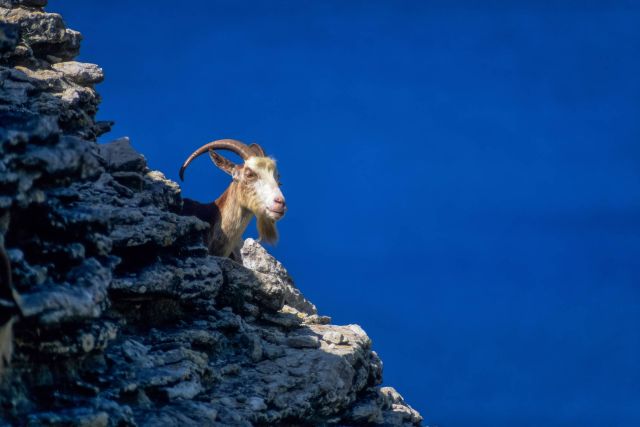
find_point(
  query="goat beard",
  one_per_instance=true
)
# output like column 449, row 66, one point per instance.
column 267, row 230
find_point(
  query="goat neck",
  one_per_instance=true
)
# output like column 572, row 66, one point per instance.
column 234, row 219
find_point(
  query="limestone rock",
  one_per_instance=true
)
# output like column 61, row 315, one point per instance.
column 121, row 156
column 38, row 74
column 80, row 72
column 256, row 258
column 44, row 32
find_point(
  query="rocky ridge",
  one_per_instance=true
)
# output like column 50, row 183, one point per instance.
column 127, row 319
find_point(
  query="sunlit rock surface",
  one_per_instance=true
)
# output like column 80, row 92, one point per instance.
column 127, row 320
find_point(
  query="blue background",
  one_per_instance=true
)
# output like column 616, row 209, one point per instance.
column 463, row 177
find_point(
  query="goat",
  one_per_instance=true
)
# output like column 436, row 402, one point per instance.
column 9, row 309
column 254, row 191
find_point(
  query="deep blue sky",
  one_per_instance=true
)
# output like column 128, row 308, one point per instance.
column 463, row 177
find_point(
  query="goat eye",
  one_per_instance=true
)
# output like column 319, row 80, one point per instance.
column 249, row 173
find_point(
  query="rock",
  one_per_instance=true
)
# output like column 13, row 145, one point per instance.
column 303, row 341
column 34, row 3
column 127, row 319
column 188, row 279
column 335, row 338
column 392, row 395
column 368, row 412
column 83, row 296
column 399, row 412
column 79, row 72
column 32, row 44
column 242, row 285
column 186, row 413
column 133, row 180
column 273, row 273
column 121, row 156
column 9, row 36
column 29, row 3
column 286, row 320
column 256, row 404
column 45, row 33
column 184, row 390
column 80, row 417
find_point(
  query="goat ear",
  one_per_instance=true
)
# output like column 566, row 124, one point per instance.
column 257, row 149
column 235, row 173
column 226, row 165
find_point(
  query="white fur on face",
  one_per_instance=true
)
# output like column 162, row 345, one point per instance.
column 266, row 186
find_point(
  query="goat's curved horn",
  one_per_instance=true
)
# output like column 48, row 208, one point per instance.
column 257, row 149
column 222, row 144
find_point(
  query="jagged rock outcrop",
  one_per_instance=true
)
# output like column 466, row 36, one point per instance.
column 127, row 319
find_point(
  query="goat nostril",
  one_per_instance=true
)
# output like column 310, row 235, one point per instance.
column 279, row 201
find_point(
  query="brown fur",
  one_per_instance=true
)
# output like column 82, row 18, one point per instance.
column 227, row 218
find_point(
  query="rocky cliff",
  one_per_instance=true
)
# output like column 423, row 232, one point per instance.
column 126, row 319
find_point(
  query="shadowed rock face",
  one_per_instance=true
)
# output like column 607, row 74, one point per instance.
column 127, row 319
